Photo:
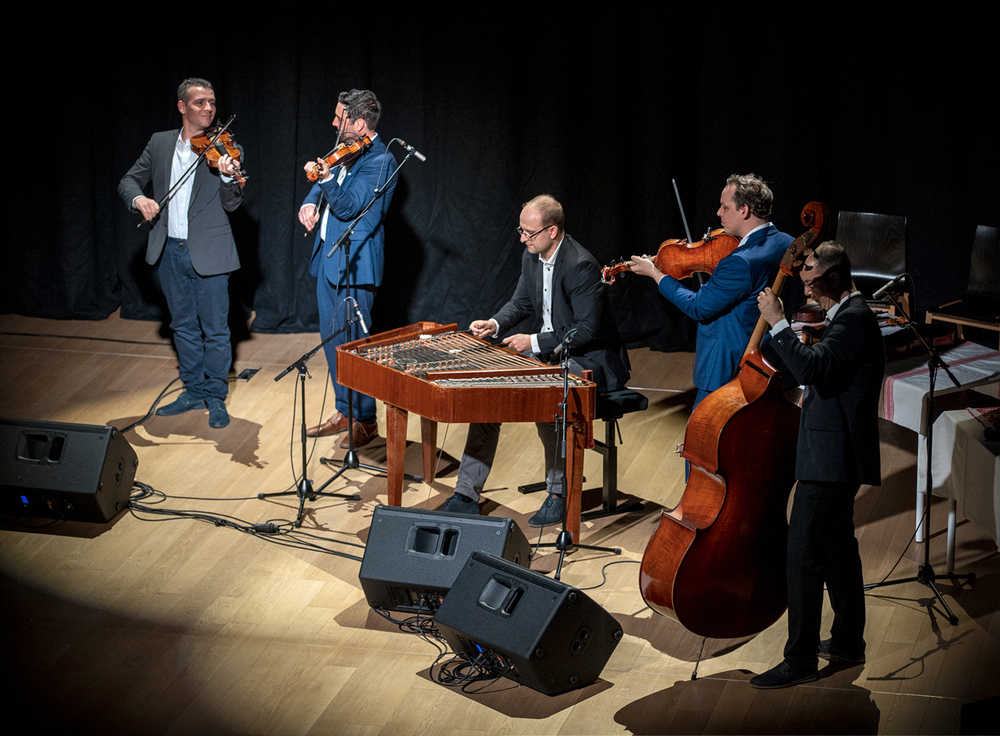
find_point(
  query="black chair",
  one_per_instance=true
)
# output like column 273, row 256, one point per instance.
column 609, row 408
column 876, row 245
column 980, row 305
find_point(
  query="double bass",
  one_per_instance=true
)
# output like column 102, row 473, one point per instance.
column 716, row 562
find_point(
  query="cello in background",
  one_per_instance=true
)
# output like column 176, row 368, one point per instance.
column 716, row 562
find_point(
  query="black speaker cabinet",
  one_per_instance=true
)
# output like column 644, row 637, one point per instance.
column 77, row 472
column 413, row 556
column 520, row 624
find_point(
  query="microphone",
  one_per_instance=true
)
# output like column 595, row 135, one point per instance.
column 411, row 149
column 565, row 343
column 361, row 317
column 891, row 286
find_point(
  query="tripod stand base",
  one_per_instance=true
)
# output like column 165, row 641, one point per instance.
column 926, row 576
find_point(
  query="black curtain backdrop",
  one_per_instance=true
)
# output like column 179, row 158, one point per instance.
column 601, row 111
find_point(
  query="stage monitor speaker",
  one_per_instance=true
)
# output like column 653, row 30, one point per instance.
column 78, row 472
column 413, row 555
column 525, row 626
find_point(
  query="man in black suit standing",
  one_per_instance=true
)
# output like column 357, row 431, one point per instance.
column 191, row 245
column 838, row 450
column 561, row 295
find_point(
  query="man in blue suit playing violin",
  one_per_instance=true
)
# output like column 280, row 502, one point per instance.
column 725, row 308
column 337, row 198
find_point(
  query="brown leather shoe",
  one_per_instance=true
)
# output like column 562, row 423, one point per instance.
column 363, row 434
column 335, row 424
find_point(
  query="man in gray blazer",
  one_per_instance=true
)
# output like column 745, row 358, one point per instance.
column 191, row 244
column 561, row 295
column 838, row 450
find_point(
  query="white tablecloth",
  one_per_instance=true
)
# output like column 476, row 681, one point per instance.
column 906, row 387
column 966, row 469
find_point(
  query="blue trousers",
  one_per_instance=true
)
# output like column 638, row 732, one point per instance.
column 333, row 317
column 199, row 318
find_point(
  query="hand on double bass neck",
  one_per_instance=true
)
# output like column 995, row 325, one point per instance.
column 771, row 308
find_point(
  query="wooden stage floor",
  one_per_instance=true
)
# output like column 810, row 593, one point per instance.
column 187, row 627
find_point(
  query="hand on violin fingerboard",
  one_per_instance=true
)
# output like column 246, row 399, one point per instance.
column 228, row 166
column 644, row 266
column 319, row 168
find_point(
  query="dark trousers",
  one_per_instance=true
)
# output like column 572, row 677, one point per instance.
column 481, row 448
column 332, row 302
column 199, row 317
column 822, row 549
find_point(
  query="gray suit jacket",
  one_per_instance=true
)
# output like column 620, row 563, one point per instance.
column 842, row 373
column 210, row 239
column 578, row 303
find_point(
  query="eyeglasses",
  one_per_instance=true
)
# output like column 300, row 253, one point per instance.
column 812, row 282
column 529, row 236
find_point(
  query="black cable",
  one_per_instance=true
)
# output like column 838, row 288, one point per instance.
column 145, row 501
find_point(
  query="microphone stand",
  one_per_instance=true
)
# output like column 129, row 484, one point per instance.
column 564, row 542
column 304, row 489
column 925, row 572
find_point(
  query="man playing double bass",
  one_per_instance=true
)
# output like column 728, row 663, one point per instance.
column 724, row 307
column 838, row 450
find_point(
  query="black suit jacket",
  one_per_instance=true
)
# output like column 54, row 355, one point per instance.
column 210, row 238
column 842, row 373
column 578, row 303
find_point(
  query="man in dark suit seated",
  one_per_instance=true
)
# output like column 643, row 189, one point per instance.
column 191, row 244
column 561, row 294
column 838, row 450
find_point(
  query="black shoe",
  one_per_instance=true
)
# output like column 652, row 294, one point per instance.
column 784, row 675
column 828, row 650
column 184, row 402
column 459, row 504
column 218, row 417
column 551, row 512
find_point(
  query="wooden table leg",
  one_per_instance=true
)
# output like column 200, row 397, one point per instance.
column 428, row 439
column 576, row 436
column 395, row 447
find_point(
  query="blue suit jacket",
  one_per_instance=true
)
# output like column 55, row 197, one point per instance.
column 726, row 306
column 346, row 201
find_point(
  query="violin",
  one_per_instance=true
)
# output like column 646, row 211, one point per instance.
column 215, row 145
column 681, row 259
column 343, row 155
